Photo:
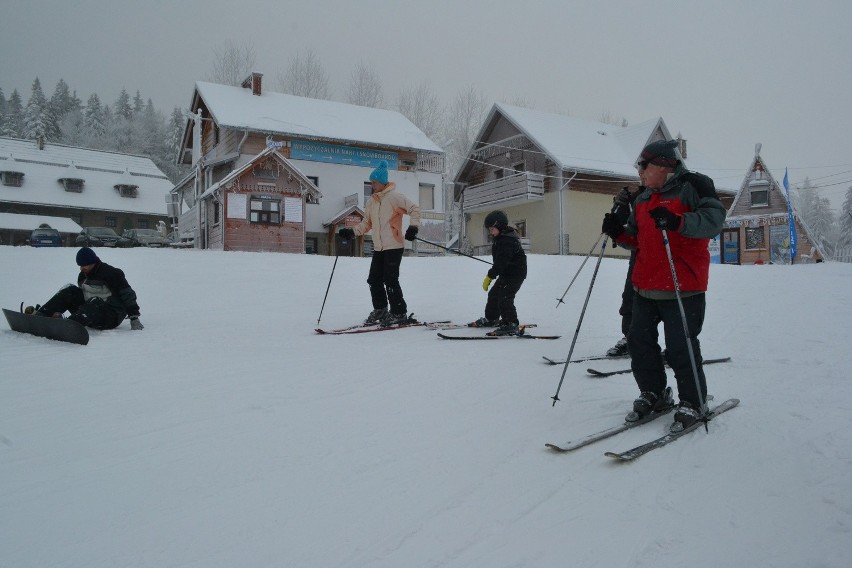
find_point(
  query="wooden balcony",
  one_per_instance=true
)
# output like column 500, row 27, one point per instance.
column 511, row 190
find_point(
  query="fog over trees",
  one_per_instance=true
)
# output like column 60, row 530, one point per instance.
column 132, row 124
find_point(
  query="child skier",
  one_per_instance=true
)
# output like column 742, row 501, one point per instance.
column 510, row 270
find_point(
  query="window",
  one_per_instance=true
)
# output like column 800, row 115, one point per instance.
column 127, row 190
column 110, row 222
column 314, row 180
column 754, row 238
column 427, row 196
column 521, row 227
column 311, row 245
column 760, row 198
column 77, row 219
column 498, row 173
column 267, row 211
column 216, row 208
column 519, row 167
column 12, row 179
column 368, row 192
column 73, row 184
column 143, row 224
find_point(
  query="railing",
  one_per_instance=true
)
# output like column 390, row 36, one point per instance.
column 432, row 163
column 524, row 186
column 843, row 255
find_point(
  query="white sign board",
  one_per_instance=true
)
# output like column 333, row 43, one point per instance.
column 292, row 210
column 237, row 205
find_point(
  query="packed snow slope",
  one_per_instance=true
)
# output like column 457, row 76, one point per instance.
column 227, row 433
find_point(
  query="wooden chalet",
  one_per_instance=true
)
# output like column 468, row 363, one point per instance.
column 553, row 175
column 757, row 228
column 264, row 150
column 259, row 206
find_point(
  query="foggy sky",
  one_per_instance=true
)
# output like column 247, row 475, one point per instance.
column 724, row 74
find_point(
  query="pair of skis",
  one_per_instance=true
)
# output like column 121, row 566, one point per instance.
column 371, row 327
column 642, row 449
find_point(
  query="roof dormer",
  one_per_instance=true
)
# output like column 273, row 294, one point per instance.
column 72, row 180
column 125, row 185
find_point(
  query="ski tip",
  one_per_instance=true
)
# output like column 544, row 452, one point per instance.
column 616, row 456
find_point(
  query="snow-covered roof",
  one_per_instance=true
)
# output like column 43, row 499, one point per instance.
column 309, row 185
column 589, row 146
column 21, row 222
column 278, row 113
column 584, row 145
column 100, row 170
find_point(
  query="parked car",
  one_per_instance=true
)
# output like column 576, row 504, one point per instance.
column 45, row 236
column 96, row 237
column 142, row 238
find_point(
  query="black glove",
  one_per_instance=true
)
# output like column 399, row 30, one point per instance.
column 346, row 233
column 665, row 219
column 623, row 197
column 612, row 226
column 411, row 232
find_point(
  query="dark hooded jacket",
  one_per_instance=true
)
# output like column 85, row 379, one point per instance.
column 109, row 284
column 510, row 261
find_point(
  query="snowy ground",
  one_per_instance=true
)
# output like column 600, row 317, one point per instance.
column 228, row 433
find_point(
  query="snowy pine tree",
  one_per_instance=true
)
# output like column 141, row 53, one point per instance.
column 94, row 115
column 122, row 106
column 39, row 122
column 844, row 240
column 14, row 123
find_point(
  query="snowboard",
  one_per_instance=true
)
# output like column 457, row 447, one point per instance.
column 51, row 328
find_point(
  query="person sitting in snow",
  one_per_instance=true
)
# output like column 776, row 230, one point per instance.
column 510, row 270
column 384, row 217
column 101, row 299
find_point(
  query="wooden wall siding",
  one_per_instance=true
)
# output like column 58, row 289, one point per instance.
column 777, row 203
column 761, row 256
column 245, row 236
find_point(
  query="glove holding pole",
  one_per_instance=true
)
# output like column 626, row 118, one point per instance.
column 665, row 219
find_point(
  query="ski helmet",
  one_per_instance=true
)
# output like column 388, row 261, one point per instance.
column 496, row 219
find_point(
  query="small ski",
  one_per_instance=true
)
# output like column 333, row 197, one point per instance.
column 604, row 434
column 350, row 328
column 634, row 453
column 372, row 328
column 550, row 361
column 477, row 337
column 439, row 325
column 601, row 374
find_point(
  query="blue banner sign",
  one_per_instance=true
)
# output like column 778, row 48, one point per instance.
column 335, row 154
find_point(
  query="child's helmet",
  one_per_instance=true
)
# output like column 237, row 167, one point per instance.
column 496, row 219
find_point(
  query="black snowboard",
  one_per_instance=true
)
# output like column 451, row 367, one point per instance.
column 51, row 328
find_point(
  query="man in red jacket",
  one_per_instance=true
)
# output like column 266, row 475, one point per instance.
column 685, row 205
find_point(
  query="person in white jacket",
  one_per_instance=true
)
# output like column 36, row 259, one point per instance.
column 383, row 216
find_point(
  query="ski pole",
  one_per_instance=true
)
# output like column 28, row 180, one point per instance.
column 685, row 328
column 591, row 250
column 450, row 250
column 555, row 397
column 336, row 256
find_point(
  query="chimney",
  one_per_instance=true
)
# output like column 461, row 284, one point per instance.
column 253, row 82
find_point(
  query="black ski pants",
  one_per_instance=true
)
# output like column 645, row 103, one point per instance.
column 95, row 313
column 626, row 309
column 384, row 281
column 501, row 301
column 646, row 359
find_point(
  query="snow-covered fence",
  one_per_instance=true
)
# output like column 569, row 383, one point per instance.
column 843, row 255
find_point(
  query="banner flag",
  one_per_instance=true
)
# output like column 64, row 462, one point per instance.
column 793, row 239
